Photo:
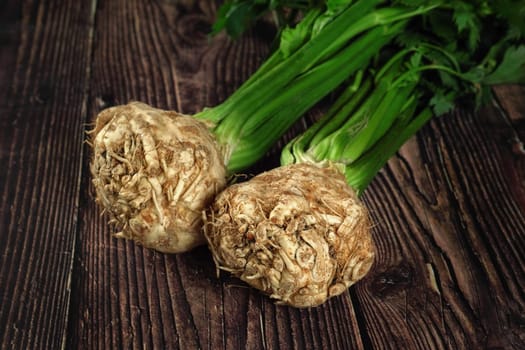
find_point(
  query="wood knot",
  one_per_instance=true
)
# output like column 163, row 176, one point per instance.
column 392, row 282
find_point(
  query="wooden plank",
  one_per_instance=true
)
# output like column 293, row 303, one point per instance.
column 448, row 210
column 44, row 55
column 450, row 236
column 129, row 297
column 508, row 122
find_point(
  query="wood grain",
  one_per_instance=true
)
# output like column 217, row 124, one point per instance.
column 450, row 219
column 42, row 96
column 448, row 209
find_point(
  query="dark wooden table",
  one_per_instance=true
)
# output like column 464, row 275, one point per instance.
column 449, row 208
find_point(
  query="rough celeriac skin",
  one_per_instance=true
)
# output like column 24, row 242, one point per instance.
column 298, row 233
column 154, row 172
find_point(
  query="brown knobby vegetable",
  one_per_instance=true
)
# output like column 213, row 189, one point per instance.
column 298, row 233
column 154, row 171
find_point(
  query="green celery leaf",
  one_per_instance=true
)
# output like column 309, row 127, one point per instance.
column 293, row 38
column 410, row 39
column 222, row 17
column 448, row 80
column 475, row 75
column 442, row 102
column 415, row 59
column 466, row 20
column 513, row 12
column 235, row 17
column 511, row 69
column 442, row 25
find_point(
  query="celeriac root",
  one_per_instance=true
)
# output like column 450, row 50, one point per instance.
column 154, row 172
column 298, row 233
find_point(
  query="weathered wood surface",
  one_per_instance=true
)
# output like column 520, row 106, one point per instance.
column 449, row 209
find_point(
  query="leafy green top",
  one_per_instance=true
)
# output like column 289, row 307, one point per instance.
column 475, row 43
